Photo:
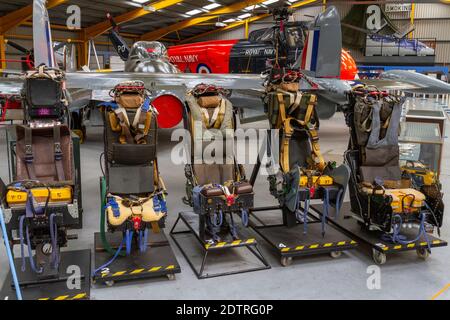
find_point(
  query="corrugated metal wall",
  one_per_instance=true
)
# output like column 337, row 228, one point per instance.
column 431, row 21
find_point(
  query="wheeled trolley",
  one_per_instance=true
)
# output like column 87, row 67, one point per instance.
column 208, row 249
column 380, row 248
column 157, row 261
column 292, row 242
column 131, row 243
column 42, row 201
column 71, row 282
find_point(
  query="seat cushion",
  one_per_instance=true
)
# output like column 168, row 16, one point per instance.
column 143, row 208
column 243, row 187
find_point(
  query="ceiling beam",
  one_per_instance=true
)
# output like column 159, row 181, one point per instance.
column 235, row 7
column 228, row 27
column 15, row 18
column 102, row 27
column 243, row 22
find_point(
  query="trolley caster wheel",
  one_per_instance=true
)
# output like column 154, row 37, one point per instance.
column 335, row 254
column 378, row 257
column 171, row 276
column 423, row 253
column 109, row 283
column 286, row 261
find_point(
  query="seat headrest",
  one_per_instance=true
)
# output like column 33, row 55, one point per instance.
column 130, row 100
column 208, row 101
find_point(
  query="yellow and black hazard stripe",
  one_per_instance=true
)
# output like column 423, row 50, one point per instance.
column 415, row 245
column 318, row 246
column 79, row 296
column 137, row 271
column 235, row 243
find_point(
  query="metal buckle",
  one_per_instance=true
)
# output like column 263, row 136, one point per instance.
column 29, row 153
column 58, row 151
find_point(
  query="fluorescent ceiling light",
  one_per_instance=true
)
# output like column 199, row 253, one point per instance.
column 245, row 15
column 269, row 2
column 193, row 12
column 252, row 7
column 140, row 1
column 211, row 6
column 220, row 24
column 230, row 20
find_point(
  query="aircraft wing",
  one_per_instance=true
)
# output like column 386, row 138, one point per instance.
column 389, row 84
column 409, row 81
column 10, row 85
column 162, row 81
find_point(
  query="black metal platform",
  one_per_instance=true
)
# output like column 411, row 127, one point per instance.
column 159, row 260
column 55, row 288
column 290, row 242
column 201, row 249
column 380, row 248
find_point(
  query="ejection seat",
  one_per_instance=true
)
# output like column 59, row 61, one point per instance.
column 304, row 175
column 43, row 200
column 217, row 188
column 384, row 196
column 132, row 191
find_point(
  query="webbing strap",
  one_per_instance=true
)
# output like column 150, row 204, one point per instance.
column 217, row 118
column 284, row 154
column 58, row 153
column 318, row 161
column 140, row 127
column 125, row 136
column 29, row 157
column 281, row 110
column 155, row 227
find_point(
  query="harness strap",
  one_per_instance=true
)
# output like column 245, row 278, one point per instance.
column 125, row 136
column 58, row 153
column 284, row 154
column 281, row 110
column 317, row 158
column 217, row 118
column 29, row 158
column 296, row 103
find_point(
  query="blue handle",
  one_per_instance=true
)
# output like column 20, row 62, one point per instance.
column 10, row 257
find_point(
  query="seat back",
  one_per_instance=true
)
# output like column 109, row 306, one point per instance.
column 37, row 158
column 211, row 121
column 130, row 135
column 293, row 113
column 44, row 94
column 376, row 125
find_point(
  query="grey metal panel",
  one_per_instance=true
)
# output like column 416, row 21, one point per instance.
column 130, row 180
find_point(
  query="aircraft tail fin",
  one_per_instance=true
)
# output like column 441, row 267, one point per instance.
column 321, row 55
column 42, row 36
column 117, row 41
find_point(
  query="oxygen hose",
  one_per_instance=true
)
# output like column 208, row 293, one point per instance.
column 244, row 217
column 30, row 252
column 143, row 237
column 217, row 219
column 396, row 237
column 339, row 202
column 112, row 259
column 10, row 257
column 303, row 219
column 128, row 238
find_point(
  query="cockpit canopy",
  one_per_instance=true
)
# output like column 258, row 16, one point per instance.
column 144, row 50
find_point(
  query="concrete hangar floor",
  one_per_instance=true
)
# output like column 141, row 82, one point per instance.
column 404, row 276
